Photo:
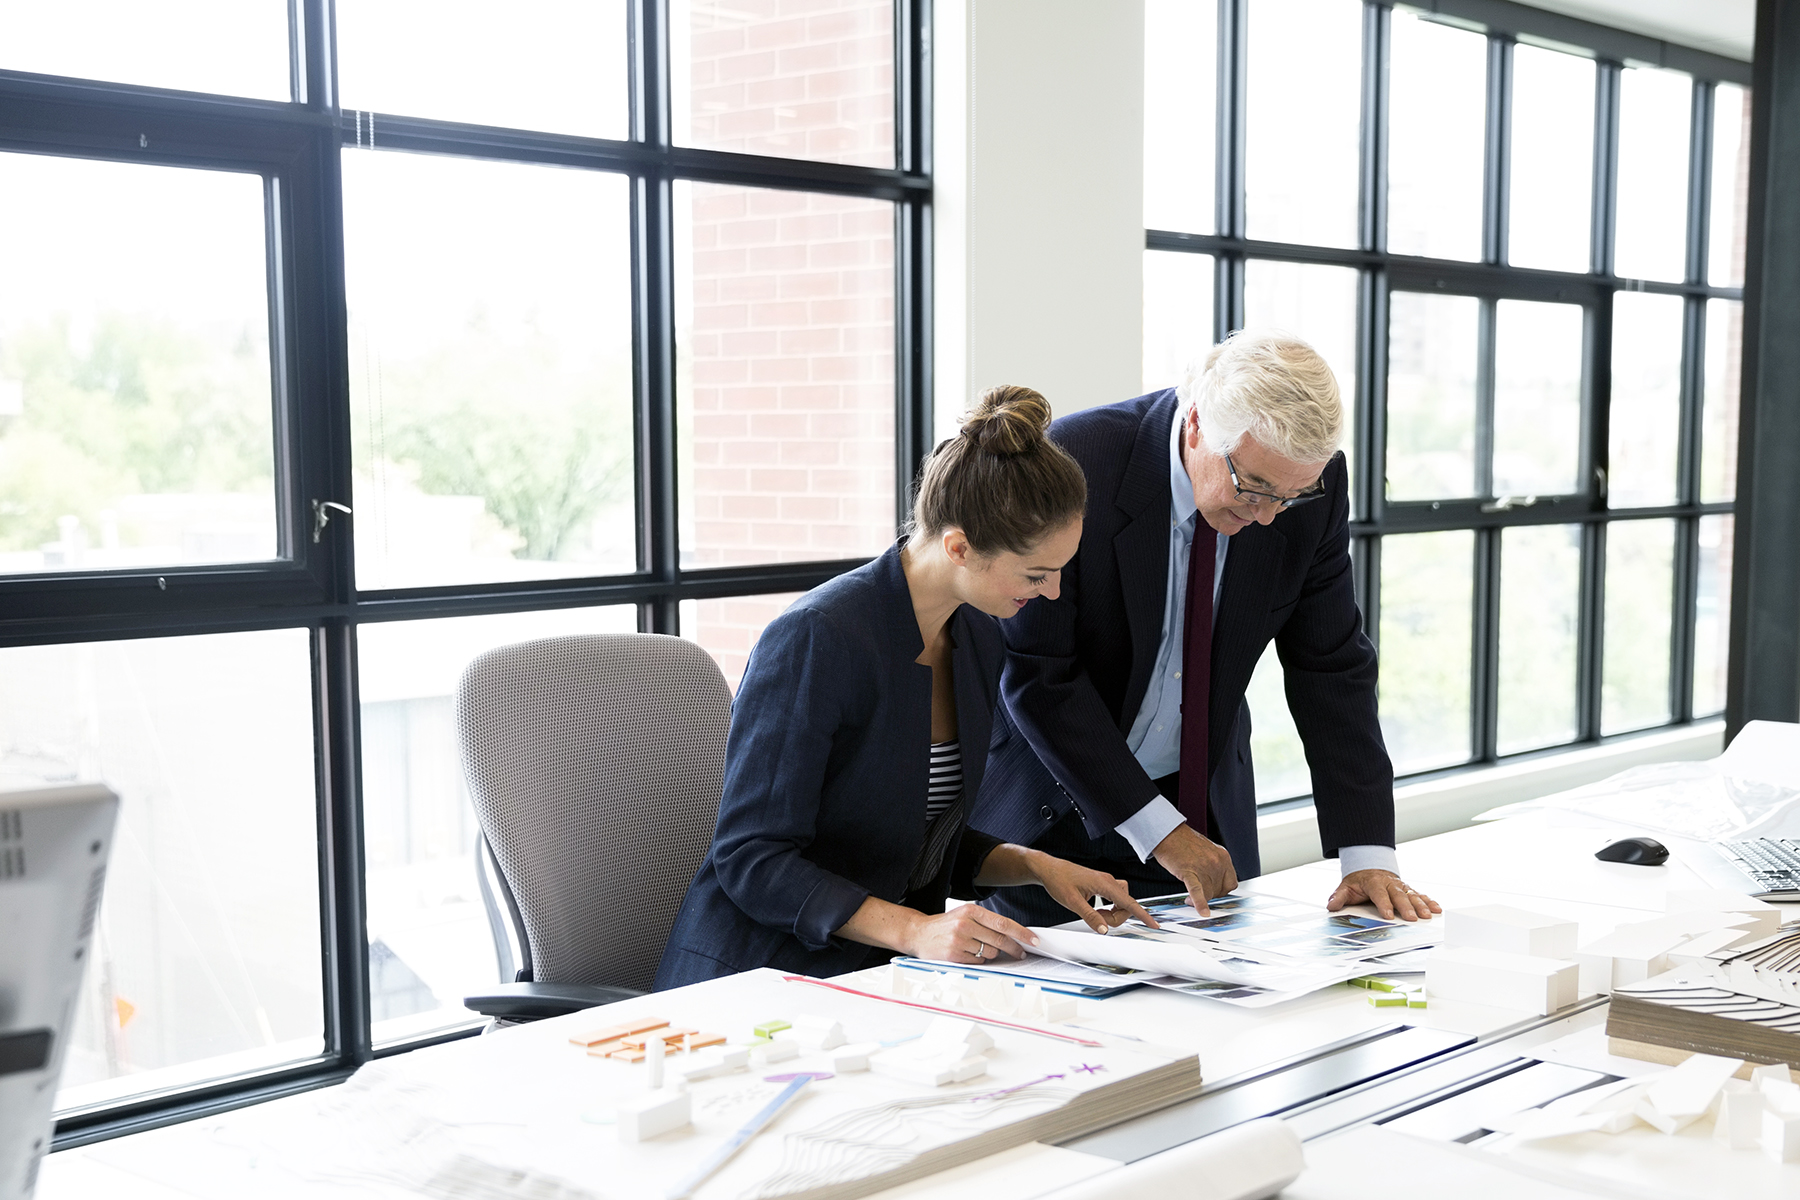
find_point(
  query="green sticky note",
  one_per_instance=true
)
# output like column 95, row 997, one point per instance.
column 769, row 1029
column 1358, row 983
column 1417, row 1001
column 1380, row 1000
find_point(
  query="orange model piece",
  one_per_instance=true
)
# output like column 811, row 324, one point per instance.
column 683, row 1040
column 613, row 1033
column 665, row 1035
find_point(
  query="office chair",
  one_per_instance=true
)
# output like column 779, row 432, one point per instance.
column 595, row 765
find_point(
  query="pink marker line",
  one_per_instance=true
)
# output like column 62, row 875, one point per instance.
column 948, row 1012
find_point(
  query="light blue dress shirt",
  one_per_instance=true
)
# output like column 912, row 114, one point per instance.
column 1155, row 736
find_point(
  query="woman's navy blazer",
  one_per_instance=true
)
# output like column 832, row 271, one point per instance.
column 826, row 774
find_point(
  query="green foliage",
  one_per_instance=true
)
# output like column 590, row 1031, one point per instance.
column 142, row 406
column 544, row 439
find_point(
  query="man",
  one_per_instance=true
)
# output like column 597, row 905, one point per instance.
column 1123, row 743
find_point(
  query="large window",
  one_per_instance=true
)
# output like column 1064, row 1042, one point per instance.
column 343, row 341
column 1523, row 261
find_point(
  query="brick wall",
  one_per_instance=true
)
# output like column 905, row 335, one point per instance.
column 788, row 363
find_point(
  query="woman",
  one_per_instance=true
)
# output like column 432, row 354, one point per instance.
column 860, row 732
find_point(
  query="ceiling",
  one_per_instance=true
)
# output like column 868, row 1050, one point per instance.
column 1725, row 27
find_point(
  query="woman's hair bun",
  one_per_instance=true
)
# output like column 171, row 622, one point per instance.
column 1008, row 420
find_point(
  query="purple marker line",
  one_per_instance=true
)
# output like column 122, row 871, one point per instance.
column 1016, row 1088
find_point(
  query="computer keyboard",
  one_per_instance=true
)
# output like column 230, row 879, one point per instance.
column 1774, row 863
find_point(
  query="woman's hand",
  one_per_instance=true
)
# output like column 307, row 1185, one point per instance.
column 1069, row 884
column 1073, row 886
column 968, row 933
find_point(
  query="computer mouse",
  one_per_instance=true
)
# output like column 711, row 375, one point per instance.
column 1638, row 851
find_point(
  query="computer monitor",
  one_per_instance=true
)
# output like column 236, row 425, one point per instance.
column 53, row 849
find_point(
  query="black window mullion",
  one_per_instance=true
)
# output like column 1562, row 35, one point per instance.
column 1370, row 395
column 1365, row 566
column 912, row 350
column 1229, row 137
column 1484, row 646
column 1590, row 639
column 1686, row 587
column 343, row 908
column 1606, row 167
column 1497, row 159
column 1686, row 582
column 1484, row 398
column 1596, row 408
column 1229, row 116
column 1699, row 214
column 1370, row 432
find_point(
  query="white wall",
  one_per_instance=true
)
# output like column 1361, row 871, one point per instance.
column 1039, row 200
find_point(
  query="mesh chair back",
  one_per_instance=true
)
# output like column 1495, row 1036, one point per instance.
column 595, row 764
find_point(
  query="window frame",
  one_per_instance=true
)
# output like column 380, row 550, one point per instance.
column 296, row 147
column 1380, row 273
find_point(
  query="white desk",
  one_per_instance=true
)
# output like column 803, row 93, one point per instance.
column 1525, row 861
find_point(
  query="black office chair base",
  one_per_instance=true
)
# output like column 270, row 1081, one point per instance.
column 535, row 1001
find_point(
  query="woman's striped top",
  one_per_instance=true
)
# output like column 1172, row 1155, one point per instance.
column 946, row 778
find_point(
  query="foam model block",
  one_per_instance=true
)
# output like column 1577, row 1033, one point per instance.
column 1702, row 946
column 1509, row 930
column 949, row 1034
column 1683, row 1094
column 1781, row 1134
column 1774, row 1072
column 779, row 1050
column 818, row 1033
column 1766, row 917
column 1739, row 1122
column 934, row 1072
column 653, row 1113
column 847, row 1060
column 1521, row 981
column 710, row 1063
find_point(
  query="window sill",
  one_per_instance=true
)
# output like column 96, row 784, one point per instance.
column 1290, row 837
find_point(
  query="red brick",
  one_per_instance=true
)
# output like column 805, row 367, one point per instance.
column 807, row 60
column 809, row 453
column 777, row 258
column 740, row 287
column 741, row 68
column 803, row 341
column 778, row 480
column 778, row 426
column 779, row 370
column 776, row 35
column 810, row 508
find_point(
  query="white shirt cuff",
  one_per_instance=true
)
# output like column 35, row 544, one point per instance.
column 1367, row 858
column 1148, row 826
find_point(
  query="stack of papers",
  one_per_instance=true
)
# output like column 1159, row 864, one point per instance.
column 1249, row 950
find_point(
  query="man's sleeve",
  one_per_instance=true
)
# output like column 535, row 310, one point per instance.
column 1051, row 700
column 1331, row 671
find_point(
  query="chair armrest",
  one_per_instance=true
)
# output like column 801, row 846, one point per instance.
column 531, row 1001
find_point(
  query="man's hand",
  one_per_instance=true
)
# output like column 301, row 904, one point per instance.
column 1384, row 890
column 1202, row 865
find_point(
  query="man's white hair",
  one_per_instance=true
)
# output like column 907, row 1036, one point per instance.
column 1272, row 386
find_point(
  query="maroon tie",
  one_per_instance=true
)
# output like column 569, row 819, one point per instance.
column 1196, row 676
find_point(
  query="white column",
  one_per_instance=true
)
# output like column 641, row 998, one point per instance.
column 1039, row 112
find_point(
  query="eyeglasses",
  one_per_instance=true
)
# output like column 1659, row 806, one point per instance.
column 1256, row 499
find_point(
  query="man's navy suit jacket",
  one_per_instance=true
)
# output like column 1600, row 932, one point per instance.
column 1078, row 667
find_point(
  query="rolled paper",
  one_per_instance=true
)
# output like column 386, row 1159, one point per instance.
column 1251, row 1161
